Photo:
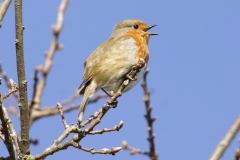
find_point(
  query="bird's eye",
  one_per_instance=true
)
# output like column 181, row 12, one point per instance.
column 136, row 26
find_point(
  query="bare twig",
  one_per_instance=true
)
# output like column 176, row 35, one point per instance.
column 59, row 106
column 48, row 111
column 152, row 153
column 224, row 143
column 23, row 105
column 67, row 131
column 5, row 124
column 13, row 89
column 92, row 117
column 133, row 150
column 101, row 151
column 36, row 101
column 3, row 9
column 115, row 128
column 35, row 78
column 75, row 129
column 7, row 81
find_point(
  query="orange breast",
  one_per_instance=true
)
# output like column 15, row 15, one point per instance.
column 142, row 43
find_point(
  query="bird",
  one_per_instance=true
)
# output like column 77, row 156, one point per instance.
column 106, row 67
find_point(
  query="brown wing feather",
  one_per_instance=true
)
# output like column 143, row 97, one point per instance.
column 84, row 84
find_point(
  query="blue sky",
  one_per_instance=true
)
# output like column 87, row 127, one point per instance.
column 194, row 73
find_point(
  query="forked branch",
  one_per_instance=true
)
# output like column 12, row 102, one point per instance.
column 95, row 119
column 153, row 155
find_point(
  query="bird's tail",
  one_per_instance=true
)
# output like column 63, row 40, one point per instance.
column 88, row 93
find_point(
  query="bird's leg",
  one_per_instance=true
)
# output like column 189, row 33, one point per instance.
column 111, row 94
column 106, row 92
column 133, row 72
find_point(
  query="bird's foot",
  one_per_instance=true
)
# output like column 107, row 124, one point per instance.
column 112, row 103
column 132, row 73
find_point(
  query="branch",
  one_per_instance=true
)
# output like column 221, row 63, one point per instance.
column 115, row 128
column 9, row 131
column 101, row 151
column 5, row 77
column 92, row 117
column 3, row 9
column 224, row 143
column 59, row 106
column 133, row 150
column 36, row 100
column 56, row 146
column 23, row 105
column 152, row 153
column 13, row 89
column 48, row 111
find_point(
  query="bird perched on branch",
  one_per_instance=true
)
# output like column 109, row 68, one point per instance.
column 107, row 66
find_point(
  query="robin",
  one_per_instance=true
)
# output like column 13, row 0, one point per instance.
column 106, row 67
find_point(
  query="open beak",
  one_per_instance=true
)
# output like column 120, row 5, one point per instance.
column 150, row 28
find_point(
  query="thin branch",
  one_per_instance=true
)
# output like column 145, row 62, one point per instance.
column 23, row 105
column 225, row 142
column 59, row 106
column 101, row 151
column 65, row 134
column 8, row 138
column 36, row 101
column 3, row 9
column 35, row 79
column 115, row 128
column 73, row 142
column 152, row 153
column 56, row 146
column 7, row 81
column 48, row 111
column 133, row 150
column 13, row 89
column 92, row 117
column 13, row 133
